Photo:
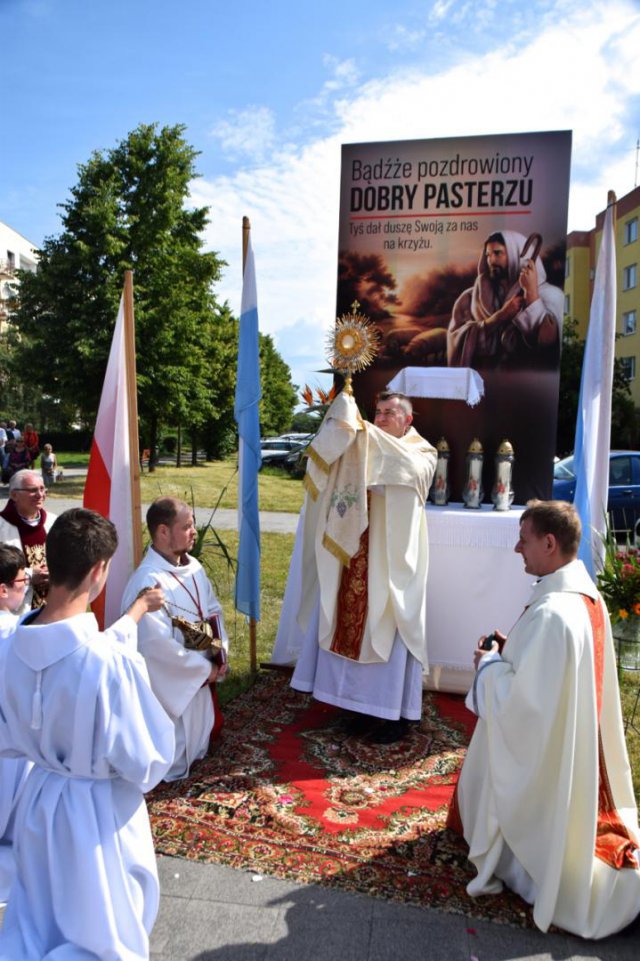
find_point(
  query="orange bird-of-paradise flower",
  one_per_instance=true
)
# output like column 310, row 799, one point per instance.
column 623, row 614
column 307, row 395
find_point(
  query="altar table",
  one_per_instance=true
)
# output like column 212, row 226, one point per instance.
column 476, row 583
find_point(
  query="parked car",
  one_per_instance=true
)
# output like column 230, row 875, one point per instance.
column 623, row 505
column 296, row 462
column 275, row 450
column 299, row 438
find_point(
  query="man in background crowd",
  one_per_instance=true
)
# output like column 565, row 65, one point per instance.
column 24, row 523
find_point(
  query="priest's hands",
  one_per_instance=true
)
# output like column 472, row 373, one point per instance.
column 488, row 644
column 40, row 578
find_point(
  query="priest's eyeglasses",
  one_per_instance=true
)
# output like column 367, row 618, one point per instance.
column 33, row 490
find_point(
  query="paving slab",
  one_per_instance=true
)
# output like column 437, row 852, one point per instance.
column 268, row 919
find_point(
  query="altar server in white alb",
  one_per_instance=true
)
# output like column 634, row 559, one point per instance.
column 77, row 703
column 545, row 799
column 365, row 560
column 183, row 680
column 14, row 583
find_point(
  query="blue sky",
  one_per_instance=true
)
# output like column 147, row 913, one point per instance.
column 269, row 89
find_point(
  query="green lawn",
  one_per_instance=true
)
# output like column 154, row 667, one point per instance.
column 72, row 460
column 275, row 557
column 629, row 686
column 202, row 485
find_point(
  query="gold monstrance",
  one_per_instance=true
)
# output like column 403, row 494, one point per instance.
column 352, row 344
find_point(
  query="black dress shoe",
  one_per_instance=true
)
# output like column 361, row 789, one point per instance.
column 391, row 731
column 359, row 724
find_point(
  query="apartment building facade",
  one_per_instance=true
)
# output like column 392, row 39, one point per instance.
column 582, row 253
column 16, row 253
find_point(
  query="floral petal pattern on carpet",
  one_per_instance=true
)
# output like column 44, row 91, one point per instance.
column 289, row 792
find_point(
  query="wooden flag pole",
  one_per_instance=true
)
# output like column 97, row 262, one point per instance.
column 612, row 201
column 132, row 400
column 253, row 643
column 246, row 229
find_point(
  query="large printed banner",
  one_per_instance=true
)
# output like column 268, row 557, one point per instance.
column 455, row 249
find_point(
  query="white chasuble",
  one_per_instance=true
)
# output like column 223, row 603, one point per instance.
column 528, row 794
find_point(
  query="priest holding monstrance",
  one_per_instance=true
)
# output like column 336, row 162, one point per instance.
column 365, row 554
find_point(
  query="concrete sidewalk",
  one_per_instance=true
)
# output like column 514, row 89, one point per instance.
column 224, row 519
column 213, row 913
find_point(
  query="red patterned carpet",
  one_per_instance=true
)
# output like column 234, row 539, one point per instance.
column 288, row 793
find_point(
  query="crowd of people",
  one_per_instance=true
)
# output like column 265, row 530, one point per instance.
column 91, row 719
column 21, row 449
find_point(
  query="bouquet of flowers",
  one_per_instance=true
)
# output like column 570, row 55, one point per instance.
column 619, row 581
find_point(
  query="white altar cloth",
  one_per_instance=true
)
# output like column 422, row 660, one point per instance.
column 447, row 383
column 476, row 584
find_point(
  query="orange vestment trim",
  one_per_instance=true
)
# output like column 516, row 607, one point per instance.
column 353, row 602
column 615, row 844
column 454, row 821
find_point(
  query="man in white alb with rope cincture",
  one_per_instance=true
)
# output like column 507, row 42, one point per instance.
column 182, row 678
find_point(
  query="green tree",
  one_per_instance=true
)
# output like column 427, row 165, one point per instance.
column 127, row 210
column 217, row 431
column 624, row 422
column 304, row 422
column 279, row 395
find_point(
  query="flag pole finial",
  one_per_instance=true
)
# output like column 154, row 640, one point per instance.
column 246, row 229
column 611, row 198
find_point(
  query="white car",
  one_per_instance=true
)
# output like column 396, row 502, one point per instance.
column 276, row 449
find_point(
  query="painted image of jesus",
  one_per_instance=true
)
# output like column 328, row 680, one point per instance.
column 511, row 316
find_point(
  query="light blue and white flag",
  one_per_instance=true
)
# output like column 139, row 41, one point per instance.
column 593, row 424
column 246, row 413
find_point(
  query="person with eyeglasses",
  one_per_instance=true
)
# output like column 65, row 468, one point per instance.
column 14, row 582
column 24, row 523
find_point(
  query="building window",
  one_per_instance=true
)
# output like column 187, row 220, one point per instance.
column 631, row 231
column 567, row 267
column 567, row 304
column 630, row 277
column 629, row 322
column 27, row 264
column 628, row 367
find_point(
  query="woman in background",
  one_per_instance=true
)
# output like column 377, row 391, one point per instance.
column 48, row 465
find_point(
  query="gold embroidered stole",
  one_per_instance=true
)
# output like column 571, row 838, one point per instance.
column 352, row 603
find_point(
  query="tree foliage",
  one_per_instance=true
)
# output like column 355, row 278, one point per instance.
column 279, row 396
column 129, row 210
column 624, row 426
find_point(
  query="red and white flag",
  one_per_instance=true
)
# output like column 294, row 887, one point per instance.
column 108, row 489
